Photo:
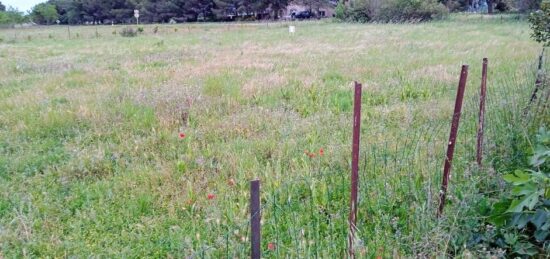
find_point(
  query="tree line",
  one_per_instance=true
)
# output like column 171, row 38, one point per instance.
column 154, row 11
column 163, row 11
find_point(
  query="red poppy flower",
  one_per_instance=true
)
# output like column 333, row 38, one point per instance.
column 182, row 135
column 321, row 151
column 211, row 196
column 271, row 246
column 311, row 155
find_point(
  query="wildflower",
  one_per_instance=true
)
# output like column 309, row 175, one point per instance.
column 321, row 152
column 311, row 155
column 231, row 182
column 182, row 135
column 271, row 246
column 211, row 196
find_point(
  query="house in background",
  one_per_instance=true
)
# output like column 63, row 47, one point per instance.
column 321, row 10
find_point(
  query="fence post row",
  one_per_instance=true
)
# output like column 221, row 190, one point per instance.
column 354, row 168
column 481, row 122
column 255, row 217
column 452, row 138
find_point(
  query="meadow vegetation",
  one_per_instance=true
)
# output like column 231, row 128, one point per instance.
column 144, row 146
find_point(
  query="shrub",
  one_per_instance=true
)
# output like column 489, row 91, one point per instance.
column 140, row 29
column 540, row 24
column 128, row 32
column 361, row 11
column 412, row 10
column 392, row 10
column 502, row 7
column 340, row 11
column 522, row 217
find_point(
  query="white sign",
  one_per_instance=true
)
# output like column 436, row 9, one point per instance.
column 291, row 29
column 136, row 13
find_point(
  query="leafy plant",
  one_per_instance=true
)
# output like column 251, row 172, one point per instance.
column 540, row 24
column 128, row 32
column 340, row 11
column 523, row 215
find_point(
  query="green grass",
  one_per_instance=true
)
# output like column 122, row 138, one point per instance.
column 91, row 163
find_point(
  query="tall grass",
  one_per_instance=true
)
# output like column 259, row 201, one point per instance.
column 91, row 162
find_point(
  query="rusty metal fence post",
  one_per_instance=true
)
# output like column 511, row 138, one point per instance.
column 255, row 217
column 481, row 122
column 354, row 168
column 452, row 138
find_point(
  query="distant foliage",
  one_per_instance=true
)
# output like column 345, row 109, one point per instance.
column 12, row 16
column 362, row 11
column 340, row 11
column 540, row 23
column 412, row 10
column 527, row 5
column 502, row 6
column 128, row 32
column 44, row 13
column 392, row 11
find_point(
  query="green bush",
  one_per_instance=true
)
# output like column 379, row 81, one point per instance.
column 523, row 215
column 128, row 32
column 540, row 24
column 391, row 11
column 340, row 11
column 502, row 7
column 361, row 11
column 515, row 221
column 412, row 10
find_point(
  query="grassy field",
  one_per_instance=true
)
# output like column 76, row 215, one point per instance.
column 92, row 161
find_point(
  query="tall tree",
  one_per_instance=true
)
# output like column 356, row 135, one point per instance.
column 312, row 4
column 121, row 10
column 277, row 5
column 2, row 7
column 160, row 10
column 95, row 11
column 224, row 8
column 199, row 10
column 44, row 13
column 11, row 16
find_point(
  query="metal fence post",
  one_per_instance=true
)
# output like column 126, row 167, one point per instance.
column 452, row 138
column 354, row 168
column 481, row 122
column 255, row 217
